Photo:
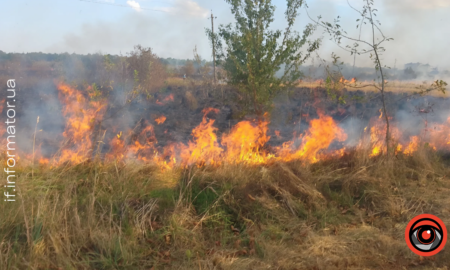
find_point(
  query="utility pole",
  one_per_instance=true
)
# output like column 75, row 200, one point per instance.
column 213, row 46
column 396, row 73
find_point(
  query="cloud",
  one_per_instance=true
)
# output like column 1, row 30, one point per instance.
column 134, row 5
column 418, row 4
column 187, row 8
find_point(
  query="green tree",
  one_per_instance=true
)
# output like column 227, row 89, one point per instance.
column 253, row 53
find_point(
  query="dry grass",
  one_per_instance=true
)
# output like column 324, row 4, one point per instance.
column 408, row 87
column 347, row 213
column 180, row 82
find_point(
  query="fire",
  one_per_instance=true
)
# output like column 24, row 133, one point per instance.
column 160, row 119
column 168, row 98
column 117, row 148
column 378, row 135
column 412, row 146
column 165, row 100
column 245, row 141
column 204, row 149
column 44, row 161
column 81, row 115
column 320, row 135
column 343, row 80
column 440, row 135
column 144, row 145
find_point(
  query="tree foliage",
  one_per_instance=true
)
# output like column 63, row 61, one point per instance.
column 149, row 69
column 251, row 53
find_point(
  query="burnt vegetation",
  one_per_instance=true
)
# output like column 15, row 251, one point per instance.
column 131, row 166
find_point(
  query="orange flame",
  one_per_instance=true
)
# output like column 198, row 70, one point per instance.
column 81, row 116
column 343, row 80
column 160, row 119
column 247, row 141
column 204, row 149
column 412, row 146
column 320, row 135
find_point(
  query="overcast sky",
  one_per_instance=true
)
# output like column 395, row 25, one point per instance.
column 420, row 28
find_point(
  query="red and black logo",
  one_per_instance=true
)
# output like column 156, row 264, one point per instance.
column 426, row 235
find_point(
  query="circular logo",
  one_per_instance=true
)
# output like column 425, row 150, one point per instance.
column 426, row 235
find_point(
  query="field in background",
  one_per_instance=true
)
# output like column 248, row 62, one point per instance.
column 408, row 87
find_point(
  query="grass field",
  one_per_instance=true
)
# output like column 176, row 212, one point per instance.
column 342, row 213
column 408, row 87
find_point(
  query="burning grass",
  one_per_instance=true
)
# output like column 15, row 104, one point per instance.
column 246, row 142
column 222, row 200
column 346, row 212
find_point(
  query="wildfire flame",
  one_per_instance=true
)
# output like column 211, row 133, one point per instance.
column 320, row 135
column 81, row 115
column 343, row 80
column 412, row 146
column 246, row 142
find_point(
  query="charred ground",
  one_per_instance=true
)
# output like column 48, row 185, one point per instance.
column 342, row 212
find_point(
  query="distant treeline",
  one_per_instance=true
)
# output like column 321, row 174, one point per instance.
column 140, row 70
column 27, row 59
column 411, row 71
column 87, row 66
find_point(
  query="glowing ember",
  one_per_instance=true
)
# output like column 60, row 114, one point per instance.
column 160, row 119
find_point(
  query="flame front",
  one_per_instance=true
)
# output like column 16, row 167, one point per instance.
column 81, row 116
column 246, row 142
column 343, row 80
column 320, row 135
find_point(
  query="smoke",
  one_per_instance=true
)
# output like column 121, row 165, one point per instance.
column 354, row 127
column 173, row 33
column 418, row 28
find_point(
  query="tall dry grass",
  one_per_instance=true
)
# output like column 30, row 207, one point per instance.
column 347, row 212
